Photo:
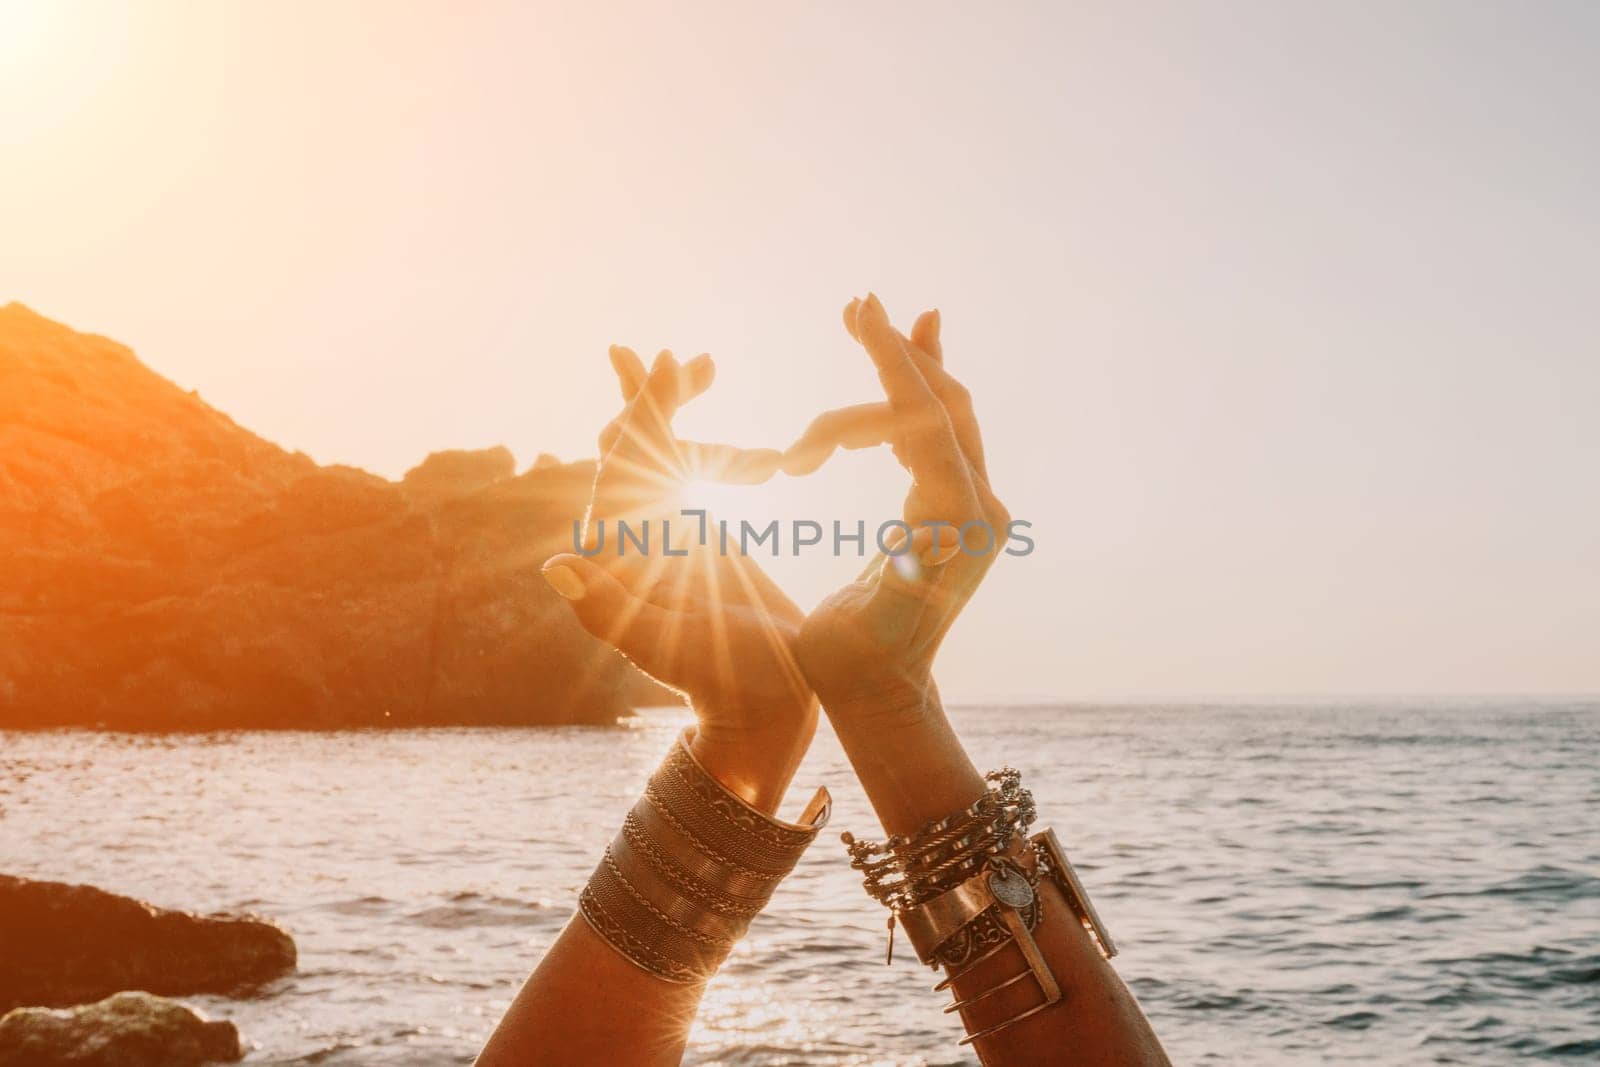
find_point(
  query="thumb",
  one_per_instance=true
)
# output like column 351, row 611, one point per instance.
column 605, row 607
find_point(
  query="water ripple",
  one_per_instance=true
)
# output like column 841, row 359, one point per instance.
column 1381, row 884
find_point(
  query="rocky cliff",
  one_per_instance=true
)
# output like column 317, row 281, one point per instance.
column 163, row 568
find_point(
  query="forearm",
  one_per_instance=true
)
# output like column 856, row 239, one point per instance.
column 695, row 859
column 584, row 1003
column 914, row 769
column 909, row 760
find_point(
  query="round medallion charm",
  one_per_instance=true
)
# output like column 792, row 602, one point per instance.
column 1011, row 889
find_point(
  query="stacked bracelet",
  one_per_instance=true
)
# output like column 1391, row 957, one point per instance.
column 963, row 892
column 909, row 869
column 691, row 866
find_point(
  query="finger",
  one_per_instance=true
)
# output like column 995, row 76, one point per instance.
column 647, row 425
column 606, row 608
column 926, row 350
column 919, row 573
column 647, row 577
column 629, row 369
column 902, row 384
column 909, row 589
column 957, row 402
column 695, row 377
column 925, row 334
column 858, row 426
column 932, row 544
column 851, row 310
column 630, row 372
column 662, row 392
column 643, row 463
column 912, row 601
column 925, row 439
column 730, row 465
column 870, row 425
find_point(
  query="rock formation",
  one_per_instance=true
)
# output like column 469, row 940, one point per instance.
column 70, row 944
column 163, row 568
column 125, row 1030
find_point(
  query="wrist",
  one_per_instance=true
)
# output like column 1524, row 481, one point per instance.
column 754, row 753
column 907, row 757
column 870, row 709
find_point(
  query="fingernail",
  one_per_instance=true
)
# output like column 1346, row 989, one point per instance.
column 872, row 314
column 565, row 580
column 940, row 553
column 663, row 358
column 896, row 538
column 937, row 321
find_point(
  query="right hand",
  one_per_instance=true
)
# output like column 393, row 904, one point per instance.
column 868, row 649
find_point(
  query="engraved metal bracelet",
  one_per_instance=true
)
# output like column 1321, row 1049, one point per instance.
column 691, row 866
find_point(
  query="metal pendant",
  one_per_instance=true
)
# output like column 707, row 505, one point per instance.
column 1010, row 888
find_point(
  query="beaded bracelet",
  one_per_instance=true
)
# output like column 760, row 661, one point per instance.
column 907, row 869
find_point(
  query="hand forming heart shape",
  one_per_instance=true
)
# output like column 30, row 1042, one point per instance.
column 711, row 625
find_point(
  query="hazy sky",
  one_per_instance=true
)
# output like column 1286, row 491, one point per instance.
column 1282, row 318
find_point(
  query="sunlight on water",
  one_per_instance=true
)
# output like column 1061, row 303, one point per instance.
column 1383, row 885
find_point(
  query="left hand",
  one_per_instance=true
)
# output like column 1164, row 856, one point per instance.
column 707, row 624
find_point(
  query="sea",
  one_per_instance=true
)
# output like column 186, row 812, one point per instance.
column 1403, row 881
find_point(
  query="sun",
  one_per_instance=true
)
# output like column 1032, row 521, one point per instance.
column 806, row 574
column 757, row 504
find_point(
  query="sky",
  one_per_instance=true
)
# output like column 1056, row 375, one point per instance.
column 1281, row 319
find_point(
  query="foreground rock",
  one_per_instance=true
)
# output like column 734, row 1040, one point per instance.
column 164, row 568
column 71, row 944
column 126, row 1030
